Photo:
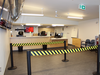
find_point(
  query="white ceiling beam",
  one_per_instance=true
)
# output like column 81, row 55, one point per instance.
column 45, row 20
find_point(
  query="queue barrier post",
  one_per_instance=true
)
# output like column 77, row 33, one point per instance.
column 29, row 62
column 98, row 62
column 65, row 60
column 11, row 55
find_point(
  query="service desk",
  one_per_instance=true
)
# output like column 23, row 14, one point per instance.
column 36, row 39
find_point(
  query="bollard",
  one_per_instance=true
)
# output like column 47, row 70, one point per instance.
column 28, row 62
column 65, row 60
column 98, row 62
column 11, row 55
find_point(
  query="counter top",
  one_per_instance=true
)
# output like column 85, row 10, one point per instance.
column 57, row 38
column 29, row 37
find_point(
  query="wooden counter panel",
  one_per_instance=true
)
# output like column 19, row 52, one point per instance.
column 35, row 40
column 76, row 42
column 59, row 45
column 30, row 40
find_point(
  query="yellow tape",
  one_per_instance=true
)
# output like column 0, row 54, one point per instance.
column 52, row 52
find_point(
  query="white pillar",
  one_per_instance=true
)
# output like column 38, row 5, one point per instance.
column 99, row 19
column 99, row 24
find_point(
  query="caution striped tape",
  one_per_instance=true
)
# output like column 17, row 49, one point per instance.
column 53, row 52
column 41, row 43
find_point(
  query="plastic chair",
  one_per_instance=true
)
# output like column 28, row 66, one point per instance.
column 92, row 43
column 85, row 43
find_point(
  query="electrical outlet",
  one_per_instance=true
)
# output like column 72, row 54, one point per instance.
column 0, row 69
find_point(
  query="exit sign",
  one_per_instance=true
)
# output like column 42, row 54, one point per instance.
column 82, row 7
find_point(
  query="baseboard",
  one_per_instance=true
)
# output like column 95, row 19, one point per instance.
column 70, row 45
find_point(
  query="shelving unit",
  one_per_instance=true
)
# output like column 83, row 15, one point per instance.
column 19, row 29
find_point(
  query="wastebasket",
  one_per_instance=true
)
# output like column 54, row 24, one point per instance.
column 44, row 47
column 20, row 48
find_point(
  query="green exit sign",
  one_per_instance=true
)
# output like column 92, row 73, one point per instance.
column 82, row 6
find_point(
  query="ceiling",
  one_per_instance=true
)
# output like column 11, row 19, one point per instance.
column 63, row 8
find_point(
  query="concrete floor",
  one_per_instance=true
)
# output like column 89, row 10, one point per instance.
column 81, row 63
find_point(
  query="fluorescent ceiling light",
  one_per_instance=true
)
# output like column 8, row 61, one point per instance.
column 4, row 8
column 34, row 24
column 75, row 17
column 57, row 24
column 32, row 14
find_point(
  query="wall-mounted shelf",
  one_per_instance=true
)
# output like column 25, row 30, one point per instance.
column 4, row 27
column 19, row 29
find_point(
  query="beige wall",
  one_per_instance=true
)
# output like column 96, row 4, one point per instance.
column 46, row 29
column 4, row 49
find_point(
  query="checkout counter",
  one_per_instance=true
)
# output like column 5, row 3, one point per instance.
column 34, row 39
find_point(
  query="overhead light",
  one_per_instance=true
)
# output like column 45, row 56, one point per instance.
column 57, row 24
column 34, row 24
column 39, row 25
column 75, row 17
column 4, row 8
column 32, row 14
column 10, row 31
column 1, row 18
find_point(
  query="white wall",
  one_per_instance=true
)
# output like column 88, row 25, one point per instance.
column 88, row 29
column 14, row 33
column 4, row 49
column 67, row 32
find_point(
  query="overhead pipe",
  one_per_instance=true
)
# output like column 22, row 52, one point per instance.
column 16, row 7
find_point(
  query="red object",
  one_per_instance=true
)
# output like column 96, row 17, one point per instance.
column 29, row 29
column 2, row 22
column 97, row 41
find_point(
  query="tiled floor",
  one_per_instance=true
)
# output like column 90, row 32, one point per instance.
column 81, row 63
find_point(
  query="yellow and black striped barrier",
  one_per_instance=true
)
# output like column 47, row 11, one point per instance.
column 53, row 52
column 40, row 43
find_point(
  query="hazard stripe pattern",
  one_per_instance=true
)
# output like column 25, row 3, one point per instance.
column 53, row 52
column 40, row 43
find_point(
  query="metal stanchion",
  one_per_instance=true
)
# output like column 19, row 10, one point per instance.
column 11, row 55
column 28, row 63
column 98, row 62
column 65, row 60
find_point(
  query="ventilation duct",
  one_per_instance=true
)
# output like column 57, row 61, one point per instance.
column 15, row 8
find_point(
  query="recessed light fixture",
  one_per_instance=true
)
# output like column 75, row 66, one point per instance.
column 34, row 24
column 57, row 24
column 4, row 8
column 32, row 14
column 75, row 17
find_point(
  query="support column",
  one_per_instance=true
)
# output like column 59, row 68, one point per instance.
column 98, row 52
